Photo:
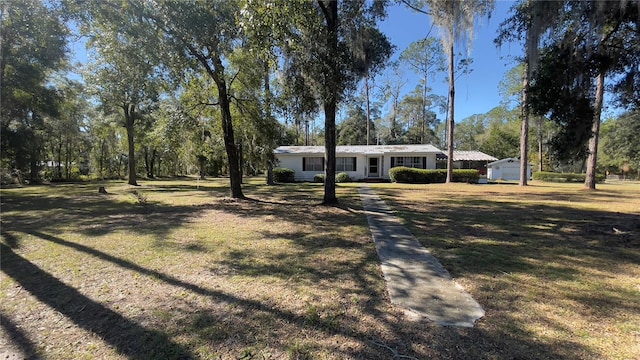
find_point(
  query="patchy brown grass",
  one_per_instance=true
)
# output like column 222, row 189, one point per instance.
column 189, row 273
column 555, row 266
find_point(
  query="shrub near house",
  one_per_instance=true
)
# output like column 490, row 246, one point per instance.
column 421, row 176
column 563, row 177
column 283, row 175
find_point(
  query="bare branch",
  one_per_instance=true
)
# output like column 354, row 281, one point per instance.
column 417, row 9
column 232, row 79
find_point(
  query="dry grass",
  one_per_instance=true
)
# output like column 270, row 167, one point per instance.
column 553, row 264
column 189, row 273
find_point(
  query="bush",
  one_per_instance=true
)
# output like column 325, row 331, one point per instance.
column 284, row 175
column 318, row 178
column 468, row 176
column 429, row 176
column 343, row 177
column 563, row 177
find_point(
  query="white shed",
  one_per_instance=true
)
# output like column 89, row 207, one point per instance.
column 506, row 169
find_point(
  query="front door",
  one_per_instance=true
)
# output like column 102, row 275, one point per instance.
column 374, row 168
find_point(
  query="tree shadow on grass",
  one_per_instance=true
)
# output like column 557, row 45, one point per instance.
column 421, row 339
column 92, row 215
column 19, row 342
column 519, row 254
column 441, row 342
column 129, row 338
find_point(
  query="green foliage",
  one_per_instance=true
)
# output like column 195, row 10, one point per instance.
column 407, row 175
column 326, row 45
column 33, row 46
column 318, row 178
column 620, row 141
column 343, row 177
column 563, row 177
column 353, row 130
column 568, row 103
column 501, row 142
column 284, row 175
column 416, row 117
column 591, row 38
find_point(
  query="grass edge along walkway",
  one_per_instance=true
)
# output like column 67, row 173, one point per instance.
column 415, row 280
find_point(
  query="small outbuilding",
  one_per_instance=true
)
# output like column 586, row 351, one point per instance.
column 506, row 169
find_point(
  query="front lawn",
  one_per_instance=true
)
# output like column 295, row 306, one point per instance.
column 556, row 267
column 182, row 271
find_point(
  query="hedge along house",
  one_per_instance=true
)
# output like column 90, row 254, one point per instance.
column 506, row 169
column 360, row 162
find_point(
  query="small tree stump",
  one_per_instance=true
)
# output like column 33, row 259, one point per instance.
column 102, row 190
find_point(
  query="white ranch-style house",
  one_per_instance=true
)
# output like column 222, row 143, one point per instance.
column 361, row 162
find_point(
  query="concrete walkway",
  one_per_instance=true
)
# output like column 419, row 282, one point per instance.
column 416, row 281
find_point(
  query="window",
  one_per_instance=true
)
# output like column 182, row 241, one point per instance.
column 312, row 164
column 345, row 164
column 419, row 162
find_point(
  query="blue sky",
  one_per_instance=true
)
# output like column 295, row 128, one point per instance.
column 477, row 92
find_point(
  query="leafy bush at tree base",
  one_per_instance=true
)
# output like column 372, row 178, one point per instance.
column 318, row 178
column 343, row 177
column 563, row 177
column 429, row 176
column 284, row 175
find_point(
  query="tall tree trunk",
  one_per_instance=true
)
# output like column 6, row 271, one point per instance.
column 267, row 95
column 540, row 157
column 424, row 111
column 590, row 178
column 270, row 174
column 129, row 119
column 297, row 123
column 235, row 176
column 330, row 153
column 101, row 160
column 67, row 160
column 154, row 153
column 59, row 159
column 366, row 87
column 34, row 169
column 524, row 133
column 450, row 121
column 330, row 100
column 240, row 160
column 393, row 122
column 146, row 160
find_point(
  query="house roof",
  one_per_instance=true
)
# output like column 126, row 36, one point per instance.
column 360, row 149
column 459, row 155
column 506, row 160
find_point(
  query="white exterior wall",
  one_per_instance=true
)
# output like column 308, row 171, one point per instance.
column 294, row 162
column 506, row 171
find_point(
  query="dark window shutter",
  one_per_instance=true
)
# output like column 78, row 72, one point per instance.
column 355, row 161
column 304, row 164
column 323, row 168
column 424, row 162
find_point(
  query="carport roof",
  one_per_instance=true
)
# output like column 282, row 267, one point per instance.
column 459, row 155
